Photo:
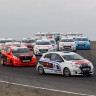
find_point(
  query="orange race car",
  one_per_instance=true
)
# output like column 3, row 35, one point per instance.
column 17, row 56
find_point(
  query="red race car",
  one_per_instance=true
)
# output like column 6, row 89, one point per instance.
column 18, row 56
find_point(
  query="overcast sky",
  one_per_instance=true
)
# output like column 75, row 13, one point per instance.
column 23, row 18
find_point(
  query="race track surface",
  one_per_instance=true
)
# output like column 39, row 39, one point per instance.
column 29, row 76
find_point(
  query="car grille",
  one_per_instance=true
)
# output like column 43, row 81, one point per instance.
column 25, row 59
column 43, row 50
column 85, row 68
column 81, row 45
column 67, row 47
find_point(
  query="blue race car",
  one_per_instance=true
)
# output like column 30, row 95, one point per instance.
column 82, row 43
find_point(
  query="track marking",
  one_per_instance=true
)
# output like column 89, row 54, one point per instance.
column 54, row 90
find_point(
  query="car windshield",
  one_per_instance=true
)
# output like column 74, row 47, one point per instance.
column 52, row 41
column 16, row 44
column 28, row 41
column 4, row 41
column 42, row 34
column 67, row 40
column 43, row 43
column 72, row 57
column 20, row 50
column 81, row 39
column 72, row 34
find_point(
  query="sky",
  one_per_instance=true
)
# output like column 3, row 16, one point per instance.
column 23, row 18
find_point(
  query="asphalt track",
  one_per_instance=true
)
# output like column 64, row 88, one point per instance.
column 76, row 84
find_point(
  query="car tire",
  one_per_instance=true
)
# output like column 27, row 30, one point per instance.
column 67, row 72
column 2, row 61
column 40, row 70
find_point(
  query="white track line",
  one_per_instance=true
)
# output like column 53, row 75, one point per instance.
column 46, row 89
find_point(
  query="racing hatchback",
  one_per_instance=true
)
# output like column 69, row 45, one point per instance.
column 67, row 44
column 18, row 56
column 82, row 43
column 43, row 46
column 65, row 63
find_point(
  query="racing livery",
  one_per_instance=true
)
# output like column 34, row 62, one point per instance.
column 17, row 56
column 82, row 43
column 65, row 63
column 42, row 46
column 67, row 44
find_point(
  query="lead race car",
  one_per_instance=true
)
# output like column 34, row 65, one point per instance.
column 65, row 63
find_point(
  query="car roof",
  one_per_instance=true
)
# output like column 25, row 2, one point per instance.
column 28, row 38
column 43, row 40
column 61, row 53
column 66, row 38
column 82, row 37
column 6, row 39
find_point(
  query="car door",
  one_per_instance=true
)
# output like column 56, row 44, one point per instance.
column 46, row 62
column 6, row 55
column 56, row 60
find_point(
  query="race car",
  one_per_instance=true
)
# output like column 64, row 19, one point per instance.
column 29, row 42
column 74, row 34
column 67, row 44
column 40, row 35
column 42, row 46
column 17, row 56
column 65, row 63
column 16, row 44
column 4, row 41
column 82, row 43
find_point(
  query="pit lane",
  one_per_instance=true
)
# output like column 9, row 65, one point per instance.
column 29, row 76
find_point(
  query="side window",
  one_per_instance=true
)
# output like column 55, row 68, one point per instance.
column 56, row 57
column 8, row 50
column 59, row 58
column 53, row 57
column 48, row 56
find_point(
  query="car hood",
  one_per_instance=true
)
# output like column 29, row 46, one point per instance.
column 43, row 46
column 82, row 42
column 67, row 43
column 81, row 61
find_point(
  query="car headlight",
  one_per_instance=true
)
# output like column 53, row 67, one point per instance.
column 15, row 57
column 75, row 65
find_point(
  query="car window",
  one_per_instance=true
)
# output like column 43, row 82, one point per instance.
column 56, row 57
column 53, row 57
column 47, row 56
column 8, row 50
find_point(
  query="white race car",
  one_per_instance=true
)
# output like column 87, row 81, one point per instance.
column 65, row 63
column 67, row 44
column 42, row 46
